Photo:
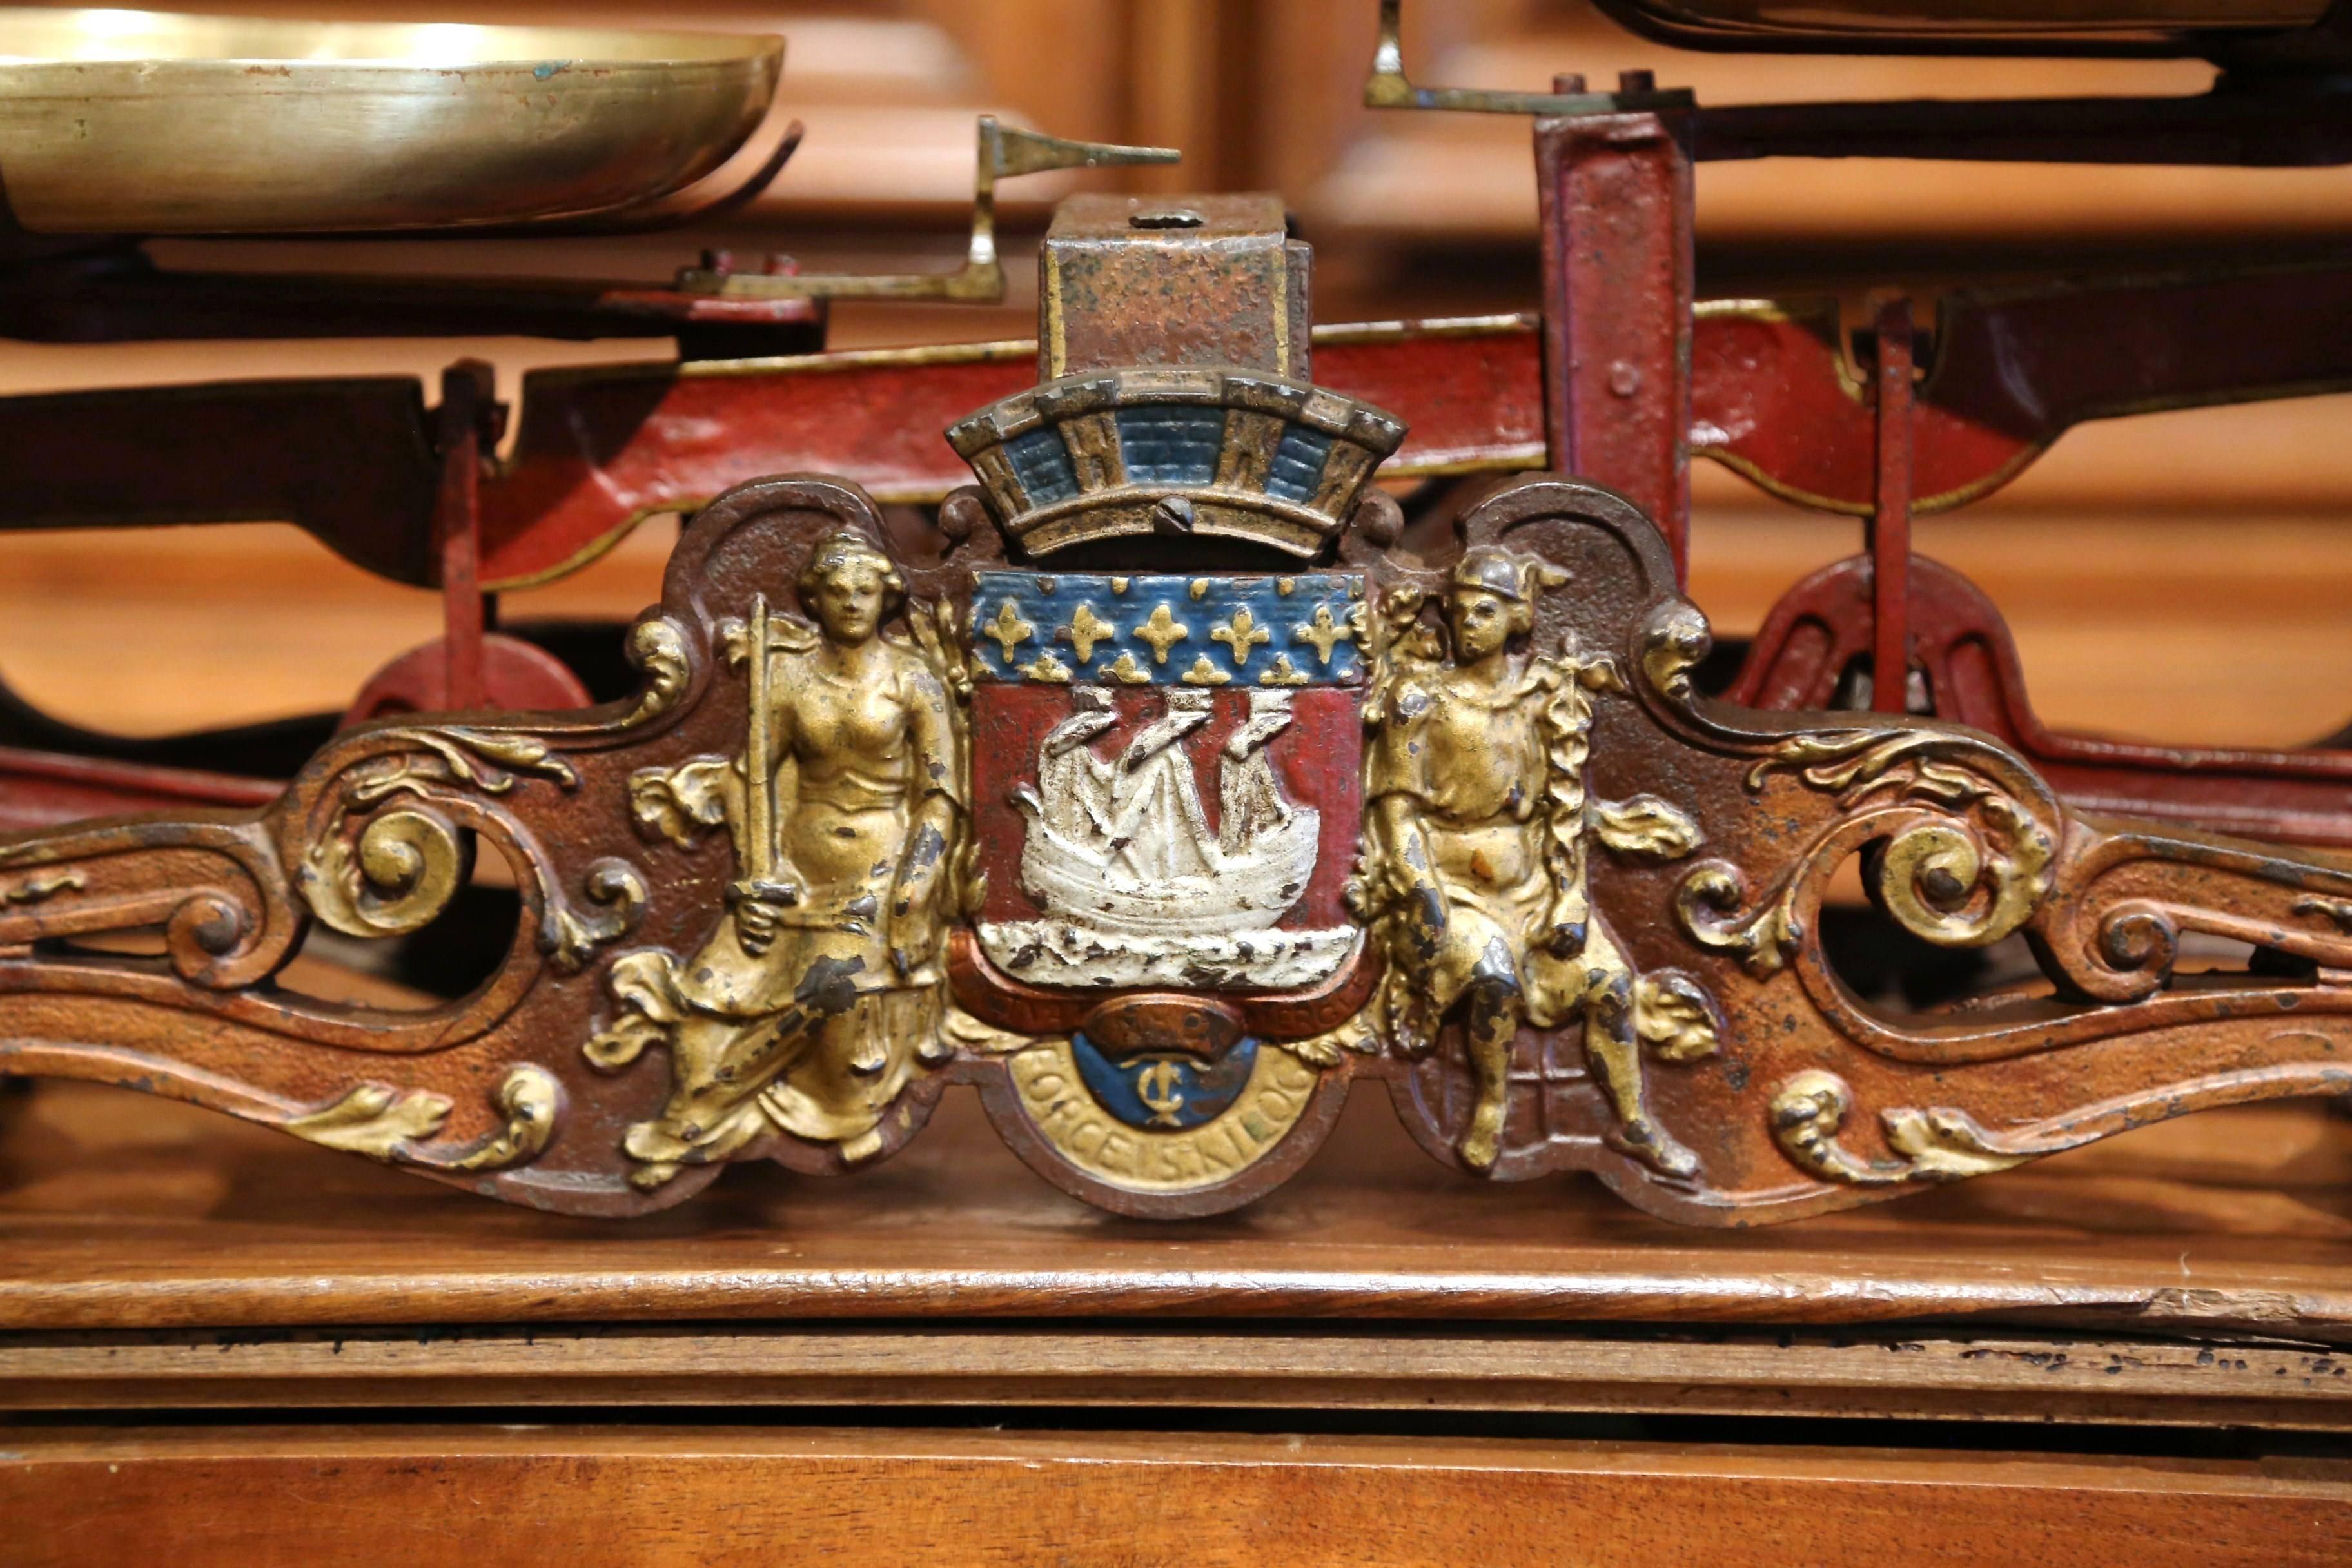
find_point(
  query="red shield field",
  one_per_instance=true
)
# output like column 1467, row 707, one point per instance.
column 1166, row 778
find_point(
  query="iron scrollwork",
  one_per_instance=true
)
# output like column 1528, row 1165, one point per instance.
column 1159, row 796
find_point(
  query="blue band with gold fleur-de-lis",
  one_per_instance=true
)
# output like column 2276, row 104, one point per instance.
column 1082, row 628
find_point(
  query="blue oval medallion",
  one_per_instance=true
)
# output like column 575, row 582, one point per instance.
column 1161, row 1090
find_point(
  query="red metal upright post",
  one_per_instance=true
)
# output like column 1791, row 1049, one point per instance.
column 457, row 532
column 1616, row 202
column 1890, row 521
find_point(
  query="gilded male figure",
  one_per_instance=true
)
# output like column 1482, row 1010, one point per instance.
column 1476, row 819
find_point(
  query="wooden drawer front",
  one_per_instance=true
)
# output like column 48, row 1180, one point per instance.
column 654, row 1497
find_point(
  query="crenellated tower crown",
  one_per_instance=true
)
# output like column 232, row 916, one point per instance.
column 1174, row 397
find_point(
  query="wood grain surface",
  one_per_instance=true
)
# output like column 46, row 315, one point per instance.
column 1535, row 1368
column 706, row 1498
column 119, row 1211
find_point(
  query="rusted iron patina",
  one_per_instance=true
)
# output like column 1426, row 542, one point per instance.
column 1160, row 841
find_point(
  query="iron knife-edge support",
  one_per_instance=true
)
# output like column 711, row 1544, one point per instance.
column 1163, row 795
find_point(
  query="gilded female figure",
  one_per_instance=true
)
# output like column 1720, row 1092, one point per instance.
column 1476, row 814
column 804, row 1009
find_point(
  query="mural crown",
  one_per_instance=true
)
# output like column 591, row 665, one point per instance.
column 1174, row 397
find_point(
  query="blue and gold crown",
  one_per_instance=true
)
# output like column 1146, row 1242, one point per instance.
column 1162, row 449
column 1172, row 354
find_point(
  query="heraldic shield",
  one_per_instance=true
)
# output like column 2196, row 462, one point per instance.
column 1168, row 787
column 1166, row 792
column 1164, row 823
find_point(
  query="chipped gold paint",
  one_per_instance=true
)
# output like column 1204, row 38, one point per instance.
column 1047, row 669
column 1323, row 633
column 1162, row 631
column 1085, row 630
column 1204, row 673
column 39, row 890
column 1477, row 761
column 1097, row 459
column 385, row 1123
column 1241, row 634
column 529, row 1099
column 1937, row 1144
column 746, row 1059
column 1127, row 672
column 1056, row 337
column 1344, row 472
column 374, row 1121
column 996, row 477
column 1009, row 630
column 1251, row 441
column 1283, row 673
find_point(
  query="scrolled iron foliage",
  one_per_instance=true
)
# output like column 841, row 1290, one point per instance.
column 1680, row 848
column 396, row 1126
column 658, row 649
column 1964, row 845
column 396, row 875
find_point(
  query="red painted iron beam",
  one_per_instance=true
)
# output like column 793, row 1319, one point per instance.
column 354, row 461
column 42, row 789
column 457, row 532
column 1772, row 394
column 602, row 448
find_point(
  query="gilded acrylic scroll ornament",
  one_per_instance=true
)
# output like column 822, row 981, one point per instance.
column 1161, row 793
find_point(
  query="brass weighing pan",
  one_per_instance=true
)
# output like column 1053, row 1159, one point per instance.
column 151, row 122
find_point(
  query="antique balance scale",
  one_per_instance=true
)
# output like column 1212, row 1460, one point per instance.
column 1178, row 778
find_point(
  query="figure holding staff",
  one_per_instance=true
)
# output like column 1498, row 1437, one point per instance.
column 759, row 887
column 802, row 1011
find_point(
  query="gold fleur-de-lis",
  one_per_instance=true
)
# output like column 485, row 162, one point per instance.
column 1047, row 669
column 1009, row 630
column 1324, row 633
column 1283, row 674
column 1241, row 634
column 1204, row 673
column 1162, row 631
column 1127, row 672
column 1085, row 630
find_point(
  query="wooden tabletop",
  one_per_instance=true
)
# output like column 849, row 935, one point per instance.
column 121, row 1212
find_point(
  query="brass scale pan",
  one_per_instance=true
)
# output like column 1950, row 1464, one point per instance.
column 150, row 122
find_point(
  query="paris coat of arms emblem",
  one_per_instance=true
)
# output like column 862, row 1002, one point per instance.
column 1167, row 807
column 1238, row 823
column 1172, row 783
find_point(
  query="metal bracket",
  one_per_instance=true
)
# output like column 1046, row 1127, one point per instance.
column 1388, row 88
column 1005, row 152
